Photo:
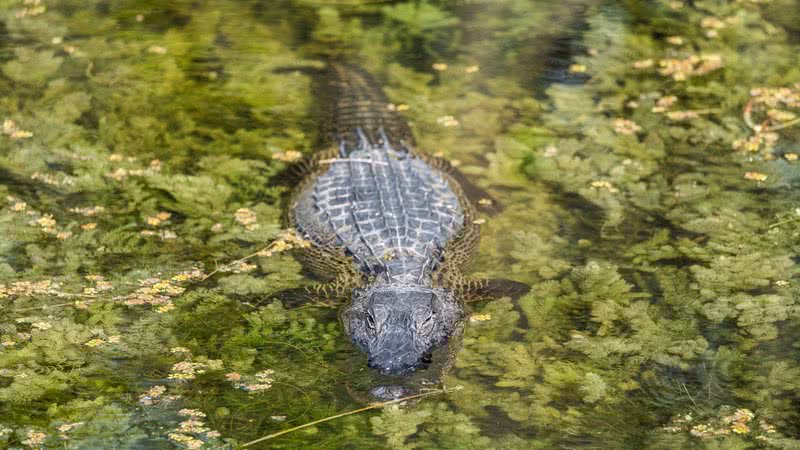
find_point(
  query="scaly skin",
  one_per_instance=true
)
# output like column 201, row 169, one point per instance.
column 393, row 214
column 390, row 225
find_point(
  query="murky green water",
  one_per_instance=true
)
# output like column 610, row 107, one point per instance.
column 645, row 154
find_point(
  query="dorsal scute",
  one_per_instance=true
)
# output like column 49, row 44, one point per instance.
column 391, row 211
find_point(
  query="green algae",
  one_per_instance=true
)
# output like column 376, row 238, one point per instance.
column 143, row 147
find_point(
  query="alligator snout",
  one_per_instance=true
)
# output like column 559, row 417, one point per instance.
column 399, row 364
column 389, row 362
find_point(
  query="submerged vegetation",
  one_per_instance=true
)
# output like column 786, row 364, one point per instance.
column 647, row 159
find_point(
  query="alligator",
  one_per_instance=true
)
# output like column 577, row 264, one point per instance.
column 390, row 226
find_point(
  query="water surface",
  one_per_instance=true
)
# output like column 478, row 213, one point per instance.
column 645, row 154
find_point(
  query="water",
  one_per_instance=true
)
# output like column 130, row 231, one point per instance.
column 645, row 201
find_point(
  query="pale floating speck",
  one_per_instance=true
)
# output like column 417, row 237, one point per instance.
column 682, row 115
column 439, row 67
column 167, row 235
column 447, row 121
column 191, row 413
column 712, row 23
column 34, row 8
column 480, row 318
column 781, row 115
column 790, row 156
column 165, row 308
column 95, row 343
column 152, row 394
column 675, row 40
column 11, row 129
column 550, row 151
column 42, row 325
column 625, row 126
column 245, row 217
column 35, row 439
column 485, row 202
column 479, row 221
column 186, row 440
column 681, row 69
column 665, row 102
column 577, row 68
column 157, row 49
column 472, row 69
column 233, row 376
column 740, row 428
column 238, row 267
column 21, row 134
column 287, row 156
column 68, row 427
column 603, row 184
column 755, row 176
column 265, row 374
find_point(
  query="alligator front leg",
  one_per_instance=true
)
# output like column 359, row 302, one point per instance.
column 331, row 294
column 338, row 289
column 492, row 289
column 478, row 290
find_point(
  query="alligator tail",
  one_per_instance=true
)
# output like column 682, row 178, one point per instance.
column 354, row 104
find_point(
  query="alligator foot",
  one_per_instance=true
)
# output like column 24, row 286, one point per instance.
column 388, row 392
column 495, row 288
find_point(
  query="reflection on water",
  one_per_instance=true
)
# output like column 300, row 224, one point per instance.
column 645, row 152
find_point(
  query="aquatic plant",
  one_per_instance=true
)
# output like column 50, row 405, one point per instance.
column 649, row 198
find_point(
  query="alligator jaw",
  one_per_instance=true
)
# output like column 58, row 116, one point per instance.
column 399, row 325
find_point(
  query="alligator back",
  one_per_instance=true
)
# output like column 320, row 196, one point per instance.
column 375, row 200
column 391, row 211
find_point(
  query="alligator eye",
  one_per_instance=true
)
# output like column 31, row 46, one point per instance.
column 427, row 358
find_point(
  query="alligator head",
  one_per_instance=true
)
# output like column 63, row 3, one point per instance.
column 399, row 326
